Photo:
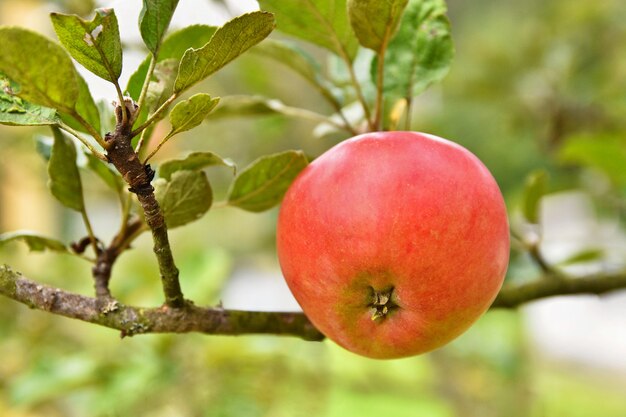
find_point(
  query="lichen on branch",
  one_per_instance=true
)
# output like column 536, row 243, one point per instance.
column 135, row 320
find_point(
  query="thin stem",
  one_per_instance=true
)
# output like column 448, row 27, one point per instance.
column 125, row 214
column 92, row 236
column 155, row 115
column 359, row 93
column 120, row 97
column 409, row 113
column 83, row 140
column 380, row 79
column 142, row 142
column 93, row 132
column 155, row 150
column 337, row 106
column 146, row 83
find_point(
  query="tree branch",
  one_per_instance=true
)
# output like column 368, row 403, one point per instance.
column 134, row 320
column 513, row 295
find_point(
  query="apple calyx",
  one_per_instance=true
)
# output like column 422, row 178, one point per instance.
column 381, row 303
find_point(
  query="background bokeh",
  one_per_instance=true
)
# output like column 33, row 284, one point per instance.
column 535, row 84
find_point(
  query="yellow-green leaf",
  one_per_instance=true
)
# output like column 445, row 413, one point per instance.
column 191, row 112
column 536, row 187
column 41, row 68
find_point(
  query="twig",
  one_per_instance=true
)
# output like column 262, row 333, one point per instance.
column 139, row 176
column 83, row 140
column 154, row 116
column 146, row 83
column 134, row 320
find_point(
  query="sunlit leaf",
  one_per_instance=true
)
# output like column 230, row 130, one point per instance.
column 42, row 69
column 228, row 42
column 190, row 113
column 262, row 184
column 154, row 19
column 421, row 51
column 35, row 242
column 324, row 23
column 95, row 43
column 185, row 198
column 587, row 255
column 536, row 187
column 64, row 181
column 375, row 21
column 194, row 161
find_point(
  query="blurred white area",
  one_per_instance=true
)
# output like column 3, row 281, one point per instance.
column 252, row 289
column 588, row 330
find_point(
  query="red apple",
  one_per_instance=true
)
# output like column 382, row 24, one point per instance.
column 394, row 243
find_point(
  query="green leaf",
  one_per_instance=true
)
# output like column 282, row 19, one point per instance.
column 173, row 47
column 420, row 53
column 536, row 187
column 587, row 255
column 194, row 161
column 324, row 23
column 185, row 198
column 227, row 43
column 95, row 43
column 154, row 19
column 42, row 69
column 190, row 113
column 35, row 242
column 101, row 169
column 64, row 181
column 605, row 153
column 375, row 21
column 17, row 112
column 262, row 184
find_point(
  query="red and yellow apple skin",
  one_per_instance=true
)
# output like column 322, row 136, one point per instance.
column 394, row 243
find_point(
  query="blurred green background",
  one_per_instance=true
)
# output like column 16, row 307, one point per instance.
column 535, row 84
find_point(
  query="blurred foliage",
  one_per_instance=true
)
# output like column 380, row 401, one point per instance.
column 538, row 84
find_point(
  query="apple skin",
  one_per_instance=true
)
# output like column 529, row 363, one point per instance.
column 394, row 243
